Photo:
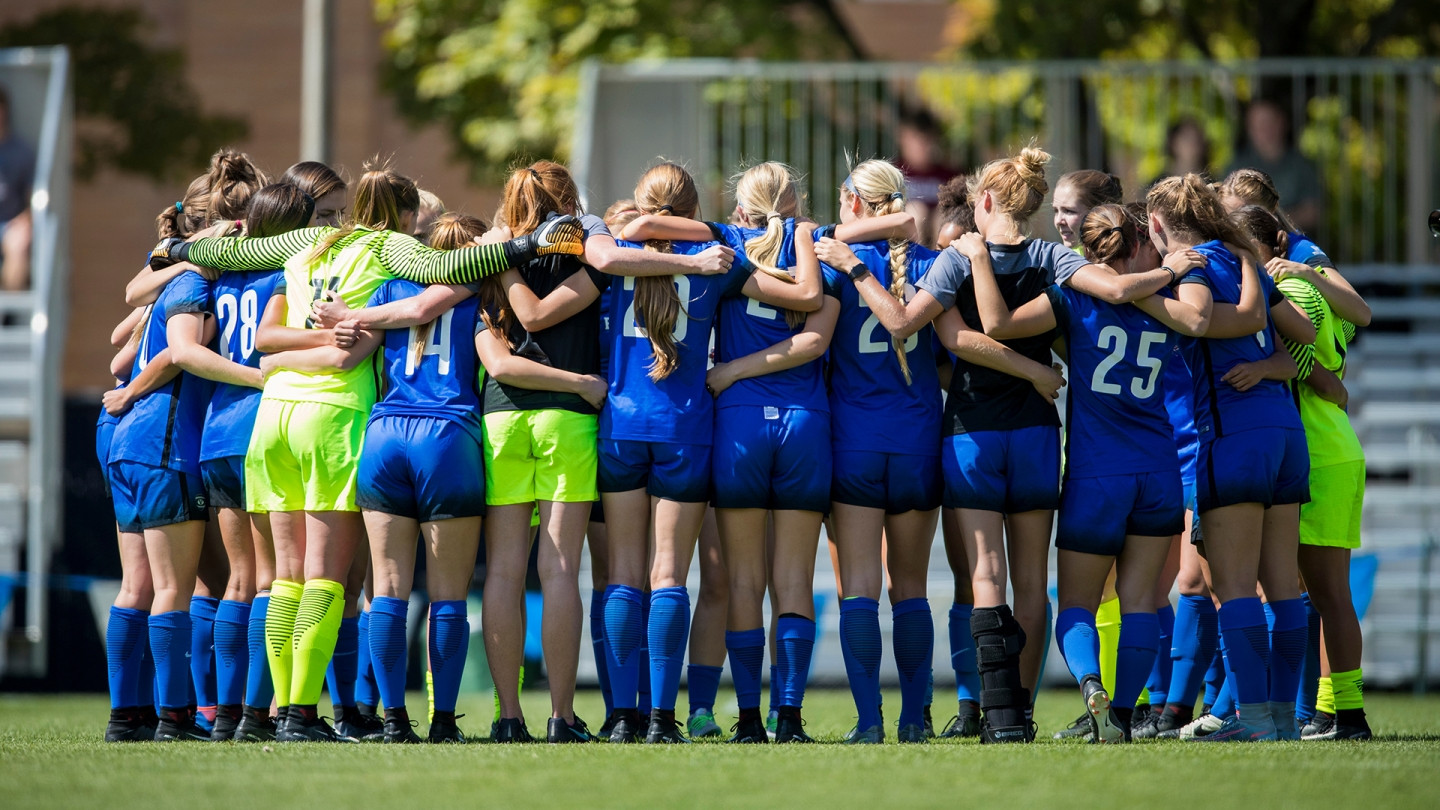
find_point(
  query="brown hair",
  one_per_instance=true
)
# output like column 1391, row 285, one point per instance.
column 1017, row 183
column 881, row 188
column 182, row 218
column 544, row 187
column 1190, row 208
column 1109, row 232
column 314, row 178
column 953, row 205
column 664, row 190
column 1254, row 187
column 278, row 208
column 381, row 197
column 451, row 231
column 233, row 179
column 1263, row 227
column 1095, row 188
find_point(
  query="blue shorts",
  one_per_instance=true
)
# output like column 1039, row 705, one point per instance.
column 772, row 458
column 1187, row 472
column 1097, row 514
column 224, row 481
column 894, row 482
column 148, row 497
column 104, row 432
column 675, row 472
column 1267, row 466
column 421, row 467
column 1006, row 471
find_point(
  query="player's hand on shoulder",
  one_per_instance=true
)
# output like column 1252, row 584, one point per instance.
column 714, row 260
column 1183, row 261
column 971, row 245
column 1281, row 269
column 496, row 235
column 835, row 253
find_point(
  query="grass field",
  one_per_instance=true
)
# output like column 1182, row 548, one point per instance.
column 51, row 756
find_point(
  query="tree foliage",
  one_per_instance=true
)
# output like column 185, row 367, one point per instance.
column 138, row 113
column 503, row 75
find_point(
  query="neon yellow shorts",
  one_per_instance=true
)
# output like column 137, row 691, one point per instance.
column 1337, row 497
column 545, row 455
column 303, row 456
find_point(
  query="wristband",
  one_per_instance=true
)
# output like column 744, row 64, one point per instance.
column 1173, row 277
column 858, row 273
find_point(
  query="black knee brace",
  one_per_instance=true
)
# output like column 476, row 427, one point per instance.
column 998, row 642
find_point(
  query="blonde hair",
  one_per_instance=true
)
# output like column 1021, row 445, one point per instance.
column 619, row 214
column 881, row 189
column 1254, row 187
column 1190, row 208
column 1017, row 183
column 768, row 192
column 449, row 232
column 664, row 190
column 381, row 197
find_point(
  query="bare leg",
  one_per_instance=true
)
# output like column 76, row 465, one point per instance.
column 507, row 554
column 562, row 533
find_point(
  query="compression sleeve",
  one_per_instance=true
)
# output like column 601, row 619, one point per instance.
column 247, row 253
column 406, row 257
column 1304, row 295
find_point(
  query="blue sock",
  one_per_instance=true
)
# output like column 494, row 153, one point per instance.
column 668, row 630
column 962, row 654
column 387, row 648
column 1247, row 650
column 1192, row 648
column 860, row 644
column 259, row 689
column 1139, row 642
column 793, row 648
column 704, row 685
column 1079, row 642
column 1216, row 675
column 125, row 641
column 597, row 646
column 1224, row 705
column 202, row 649
column 170, row 639
column 1159, row 680
column 365, row 691
column 913, row 639
column 148, row 691
column 344, row 664
column 747, row 657
column 644, row 701
column 623, row 633
column 1287, row 649
column 449, row 642
column 1309, row 673
column 232, row 656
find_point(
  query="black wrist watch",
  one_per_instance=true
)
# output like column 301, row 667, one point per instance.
column 858, row 273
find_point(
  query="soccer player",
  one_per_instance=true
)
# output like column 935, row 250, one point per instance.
column 1076, row 194
column 325, row 186
column 886, row 482
column 655, row 449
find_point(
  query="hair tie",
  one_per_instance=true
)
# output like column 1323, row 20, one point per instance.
column 667, row 209
column 1115, row 229
column 898, row 195
column 774, row 215
column 535, row 175
column 179, row 206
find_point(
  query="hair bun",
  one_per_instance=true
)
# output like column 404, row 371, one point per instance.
column 1031, row 163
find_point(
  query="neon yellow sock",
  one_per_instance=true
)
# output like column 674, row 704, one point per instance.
column 1325, row 698
column 430, row 693
column 1107, row 625
column 496, row 692
column 279, row 632
column 317, row 626
column 1349, row 690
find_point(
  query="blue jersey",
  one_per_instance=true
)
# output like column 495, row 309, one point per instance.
column 1304, row 251
column 1180, row 401
column 747, row 326
column 163, row 428
column 1220, row 409
column 677, row 409
column 1117, row 421
column 872, row 408
column 240, row 300
column 442, row 378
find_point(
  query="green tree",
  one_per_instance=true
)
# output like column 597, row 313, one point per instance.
column 503, row 75
column 144, row 118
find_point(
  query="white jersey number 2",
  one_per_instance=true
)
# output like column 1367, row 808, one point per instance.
column 1114, row 340
column 243, row 316
column 682, row 321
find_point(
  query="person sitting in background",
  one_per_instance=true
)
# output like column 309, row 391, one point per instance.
column 1268, row 148
column 17, row 177
column 1187, row 150
column 923, row 162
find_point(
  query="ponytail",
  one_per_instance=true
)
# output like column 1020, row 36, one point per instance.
column 233, row 179
column 534, row 192
column 665, row 190
column 381, row 197
column 1254, row 187
column 1188, row 207
column 881, row 188
column 768, row 192
column 1109, row 233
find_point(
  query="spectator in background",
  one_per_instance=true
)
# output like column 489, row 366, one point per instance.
column 17, row 176
column 1187, row 150
column 923, row 163
column 1268, row 148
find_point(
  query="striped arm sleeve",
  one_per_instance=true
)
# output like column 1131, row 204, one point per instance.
column 1304, row 295
column 1304, row 356
column 406, row 257
column 1348, row 329
column 246, row 253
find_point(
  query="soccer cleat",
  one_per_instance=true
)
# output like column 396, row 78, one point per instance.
column 178, row 725
column 558, row 731
column 255, row 726
column 363, row 727
column 1235, row 730
column 1320, row 725
column 128, row 725
column 1145, row 726
column 1346, row 731
column 964, row 724
column 875, row 735
column 1199, row 728
column 772, row 721
column 749, row 729
column 912, row 734
column 1082, row 729
column 929, row 724
column 624, row 726
column 702, row 724
column 444, row 730
column 663, row 729
column 400, row 729
column 304, row 724
column 511, row 730
column 1105, row 725
column 790, row 727
column 227, row 720
column 562, row 234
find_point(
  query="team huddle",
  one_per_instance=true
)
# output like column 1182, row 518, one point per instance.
column 311, row 396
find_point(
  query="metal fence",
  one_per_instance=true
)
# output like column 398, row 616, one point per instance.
column 1369, row 127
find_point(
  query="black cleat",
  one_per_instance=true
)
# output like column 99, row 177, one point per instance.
column 1347, row 731
column 399, row 728
column 304, row 724
column 255, row 726
column 1082, row 729
column 790, row 727
column 178, row 725
column 664, row 731
column 749, row 728
column 929, row 724
column 558, row 731
column 624, row 726
column 1319, row 726
column 362, row 727
column 511, row 730
column 965, row 724
column 603, row 735
column 128, row 725
column 444, row 730
column 227, row 720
